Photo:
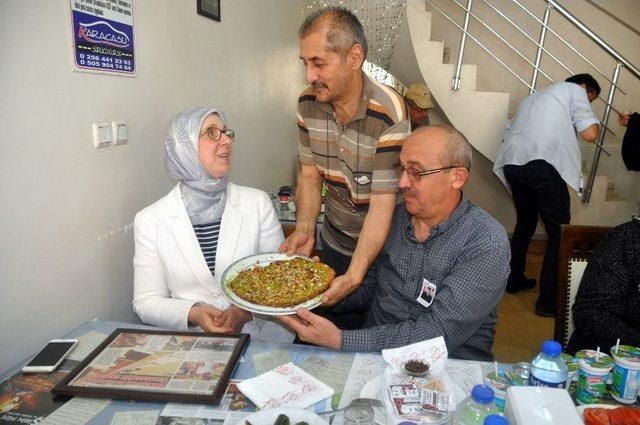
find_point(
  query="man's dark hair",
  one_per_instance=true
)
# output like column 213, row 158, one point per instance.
column 587, row 80
column 343, row 29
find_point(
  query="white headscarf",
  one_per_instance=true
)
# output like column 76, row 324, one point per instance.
column 204, row 196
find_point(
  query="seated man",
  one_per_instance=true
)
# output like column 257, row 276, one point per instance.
column 441, row 244
column 607, row 306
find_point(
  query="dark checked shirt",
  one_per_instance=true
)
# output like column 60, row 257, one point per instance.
column 466, row 257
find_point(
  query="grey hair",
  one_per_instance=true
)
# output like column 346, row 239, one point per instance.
column 457, row 148
column 343, row 29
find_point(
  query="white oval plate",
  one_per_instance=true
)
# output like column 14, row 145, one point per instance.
column 262, row 260
column 269, row 416
column 373, row 389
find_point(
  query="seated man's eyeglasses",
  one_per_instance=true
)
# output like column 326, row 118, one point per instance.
column 415, row 175
column 215, row 134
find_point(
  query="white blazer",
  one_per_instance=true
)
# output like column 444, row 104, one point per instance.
column 170, row 272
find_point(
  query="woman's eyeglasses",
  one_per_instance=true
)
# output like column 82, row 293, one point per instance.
column 215, row 134
column 415, row 175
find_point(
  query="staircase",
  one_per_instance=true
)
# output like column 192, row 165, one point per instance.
column 482, row 117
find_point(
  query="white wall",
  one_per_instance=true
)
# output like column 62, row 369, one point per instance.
column 66, row 208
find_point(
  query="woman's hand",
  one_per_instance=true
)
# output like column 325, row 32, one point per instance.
column 209, row 318
column 234, row 318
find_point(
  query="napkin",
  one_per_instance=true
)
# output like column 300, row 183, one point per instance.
column 432, row 351
column 286, row 385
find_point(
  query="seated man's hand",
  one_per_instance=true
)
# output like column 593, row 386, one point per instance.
column 234, row 318
column 299, row 242
column 209, row 318
column 314, row 329
column 340, row 287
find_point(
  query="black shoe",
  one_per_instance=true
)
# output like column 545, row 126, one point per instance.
column 545, row 310
column 513, row 287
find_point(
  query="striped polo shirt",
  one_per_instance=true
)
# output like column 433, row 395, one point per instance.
column 207, row 235
column 355, row 159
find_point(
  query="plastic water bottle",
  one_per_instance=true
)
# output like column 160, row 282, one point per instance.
column 548, row 369
column 475, row 408
column 496, row 420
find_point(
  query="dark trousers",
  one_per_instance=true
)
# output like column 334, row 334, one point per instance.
column 340, row 263
column 538, row 190
column 334, row 259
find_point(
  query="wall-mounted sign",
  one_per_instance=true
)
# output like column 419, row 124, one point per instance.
column 103, row 36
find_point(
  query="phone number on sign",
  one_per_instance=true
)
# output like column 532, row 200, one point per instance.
column 105, row 62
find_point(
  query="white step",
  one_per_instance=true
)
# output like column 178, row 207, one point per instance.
column 481, row 116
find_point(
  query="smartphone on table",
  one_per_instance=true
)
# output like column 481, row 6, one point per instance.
column 51, row 356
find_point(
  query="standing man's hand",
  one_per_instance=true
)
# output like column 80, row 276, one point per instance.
column 340, row 287
column 623, row 118
column 299, row 242
column 308, row 200
column 372, row 237
column 314, row 329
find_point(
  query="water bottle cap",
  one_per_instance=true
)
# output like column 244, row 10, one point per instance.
column 551, row 348
column 482, row 394
column 495, row 420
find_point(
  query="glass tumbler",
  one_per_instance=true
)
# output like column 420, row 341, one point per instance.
column 359, row 414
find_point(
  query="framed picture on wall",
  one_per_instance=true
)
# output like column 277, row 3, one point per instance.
column 209, row 8
column 136, row 364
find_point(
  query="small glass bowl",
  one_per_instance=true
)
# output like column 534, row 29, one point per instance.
column 412, row 368
column 359, row 414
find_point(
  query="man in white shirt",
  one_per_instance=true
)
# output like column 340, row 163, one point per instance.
column 539, row 156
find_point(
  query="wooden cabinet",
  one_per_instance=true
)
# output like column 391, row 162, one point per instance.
column 288, row 228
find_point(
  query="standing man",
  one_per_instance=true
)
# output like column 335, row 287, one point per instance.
column 351, row 133
column 418, row 99
column 539, row 156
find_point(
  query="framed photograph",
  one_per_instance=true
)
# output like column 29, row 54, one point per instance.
column 209, row 8
column 135, row 364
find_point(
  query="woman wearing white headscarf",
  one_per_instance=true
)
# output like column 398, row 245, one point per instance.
column 185, row 241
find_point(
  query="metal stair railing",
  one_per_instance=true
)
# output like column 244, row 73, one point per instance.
column 552, row 5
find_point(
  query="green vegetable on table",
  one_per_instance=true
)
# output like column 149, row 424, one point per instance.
column 282, row 419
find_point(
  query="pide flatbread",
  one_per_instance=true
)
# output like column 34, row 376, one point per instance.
column 283, row 283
